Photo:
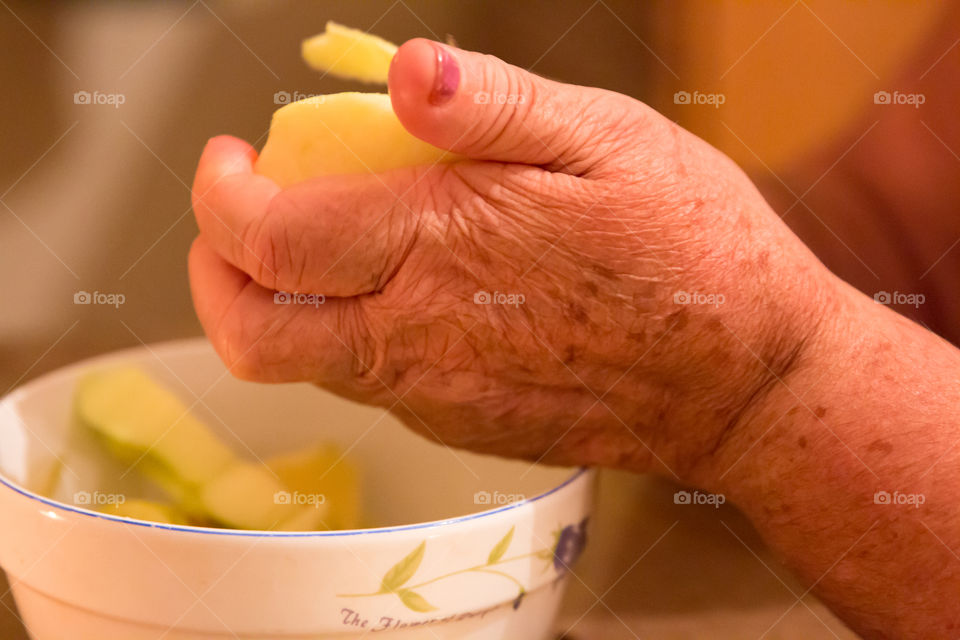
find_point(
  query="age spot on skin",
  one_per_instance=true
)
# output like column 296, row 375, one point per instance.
column 640, row 337
column 802, row 442
column 714, row 325
column 578, row 313
column 820, row 412
column 591, row 288
column 880, row 446
column 678, row 319
column 604, row 272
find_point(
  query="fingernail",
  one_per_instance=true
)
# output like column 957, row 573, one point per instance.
column 446, row 78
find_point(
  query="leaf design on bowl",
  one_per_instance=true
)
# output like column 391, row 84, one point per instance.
column 569, row 542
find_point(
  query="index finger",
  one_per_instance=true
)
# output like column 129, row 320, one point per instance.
column 228, row 197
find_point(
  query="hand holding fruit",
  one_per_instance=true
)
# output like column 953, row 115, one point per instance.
column 631, row 256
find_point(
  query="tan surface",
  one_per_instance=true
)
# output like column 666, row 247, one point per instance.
column 98, row 200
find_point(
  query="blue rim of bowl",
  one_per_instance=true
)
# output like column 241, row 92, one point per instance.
column 291, row 534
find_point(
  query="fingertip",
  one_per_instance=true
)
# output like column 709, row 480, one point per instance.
column 412, row 71
column 227, row 196
column 227, row 147
column 223, row 156
column 424, row 75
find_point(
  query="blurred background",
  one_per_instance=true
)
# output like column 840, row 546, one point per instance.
column 107, row 105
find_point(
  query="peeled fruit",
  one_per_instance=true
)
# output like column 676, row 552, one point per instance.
column 323, row 471
column 138, row 416
column 184, row 495
column 141, row 422
column 248, row 496
column 349, row 53
column 342, row 133
column 339, row 134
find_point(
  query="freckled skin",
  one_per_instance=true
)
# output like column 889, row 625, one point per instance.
column 669, row 323
column 599, row 244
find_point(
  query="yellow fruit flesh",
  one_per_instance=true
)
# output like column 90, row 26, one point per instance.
column 136, row 415
column 248, row 496
column 349, row 53
column 200, row 475
column 323, row 471
column 340, row 134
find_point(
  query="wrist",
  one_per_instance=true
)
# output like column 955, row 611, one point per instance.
column 781, row 404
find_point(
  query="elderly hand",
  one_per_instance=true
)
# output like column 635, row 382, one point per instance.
column 590, row 285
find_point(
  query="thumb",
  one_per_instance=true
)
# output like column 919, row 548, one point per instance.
column 481, row 107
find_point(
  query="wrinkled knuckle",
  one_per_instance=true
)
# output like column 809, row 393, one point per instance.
column 273, row 250
column 509, row 96
column 372, row 373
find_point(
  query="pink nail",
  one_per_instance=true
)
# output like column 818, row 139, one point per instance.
column 446, row 78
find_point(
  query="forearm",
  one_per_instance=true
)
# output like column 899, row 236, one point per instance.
column 872, row 407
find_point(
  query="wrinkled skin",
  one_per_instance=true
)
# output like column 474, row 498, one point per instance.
column 594, row 208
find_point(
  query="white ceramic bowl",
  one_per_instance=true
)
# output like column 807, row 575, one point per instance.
column 82, row 575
